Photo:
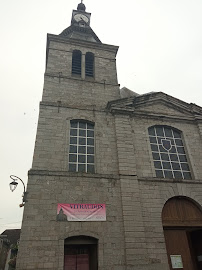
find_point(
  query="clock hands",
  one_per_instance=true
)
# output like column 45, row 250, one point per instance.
column 81, row 17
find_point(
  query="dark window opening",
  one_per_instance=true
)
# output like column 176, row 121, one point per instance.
column 89, row 68
column 76, row 63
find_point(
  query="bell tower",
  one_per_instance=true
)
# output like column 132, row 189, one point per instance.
column 75, row 155
column 80, row 69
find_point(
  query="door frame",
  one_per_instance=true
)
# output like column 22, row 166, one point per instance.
column 181, row 213
column 87, row 242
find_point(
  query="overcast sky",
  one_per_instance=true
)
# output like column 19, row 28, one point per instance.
column 160, row 50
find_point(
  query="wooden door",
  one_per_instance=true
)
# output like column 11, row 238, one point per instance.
column 76, row 262
column 181, row 217
column 177, row 243
column 82, row 262
column 76, row 257
column 70, row 262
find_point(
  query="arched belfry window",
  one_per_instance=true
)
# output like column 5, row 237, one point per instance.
column 76, row 62
column 89, row 67
column 170, row 160
column 81, row 149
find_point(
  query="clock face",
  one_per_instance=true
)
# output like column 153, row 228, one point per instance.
column 81, row 17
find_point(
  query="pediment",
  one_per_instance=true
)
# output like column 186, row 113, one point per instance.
column 162, row 107
column 156, row 103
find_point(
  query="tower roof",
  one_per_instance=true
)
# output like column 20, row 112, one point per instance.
column 77, row 32
column 80, row 26
column 81, row 6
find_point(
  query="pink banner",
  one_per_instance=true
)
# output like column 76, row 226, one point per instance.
column 81, row 212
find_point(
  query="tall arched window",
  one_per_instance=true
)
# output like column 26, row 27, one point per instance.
column 76, row 62
column 81, row 150
column 168, row 152
column 89, row 67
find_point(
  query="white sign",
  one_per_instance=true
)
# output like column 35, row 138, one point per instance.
column 176, row 261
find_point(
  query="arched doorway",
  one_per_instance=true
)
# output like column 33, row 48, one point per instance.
column 182, row 223
column 80, row 253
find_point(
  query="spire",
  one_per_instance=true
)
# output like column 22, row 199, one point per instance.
column 80, row 25
column 81, row 6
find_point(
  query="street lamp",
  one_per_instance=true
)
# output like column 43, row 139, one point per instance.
column 13, row 186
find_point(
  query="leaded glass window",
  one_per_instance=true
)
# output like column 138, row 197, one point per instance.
column 82, row 149
column 168, row 153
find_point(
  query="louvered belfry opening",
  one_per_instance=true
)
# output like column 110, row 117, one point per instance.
column 76, row 62
column 89, row 64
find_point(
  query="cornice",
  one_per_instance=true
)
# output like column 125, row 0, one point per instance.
column 93, row 45
column 112, row 176
column 60, row 76
column 71, row 174
column 59, row 105
column 171, row 181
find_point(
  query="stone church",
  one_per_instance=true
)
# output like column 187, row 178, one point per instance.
column 116, row 179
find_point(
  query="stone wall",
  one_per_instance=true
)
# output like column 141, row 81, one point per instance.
column 124, row 180
column 42, row 239
column 52, row 140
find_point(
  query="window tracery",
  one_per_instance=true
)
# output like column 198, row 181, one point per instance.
column 170, row 160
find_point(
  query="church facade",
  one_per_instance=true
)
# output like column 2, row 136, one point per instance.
column 116, row 179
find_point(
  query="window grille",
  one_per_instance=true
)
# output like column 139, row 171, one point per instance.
column 76, row 62
column 81, row 150
column 89, row 66
column 168, row 153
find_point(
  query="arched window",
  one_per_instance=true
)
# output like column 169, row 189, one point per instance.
column 89, row 68
column 76, row 62
column 81, row 150
column 168, row 152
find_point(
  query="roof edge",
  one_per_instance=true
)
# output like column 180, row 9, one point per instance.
column 151, row 97
column 57, row 38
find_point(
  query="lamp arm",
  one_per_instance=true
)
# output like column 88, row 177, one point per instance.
column 14, row 177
